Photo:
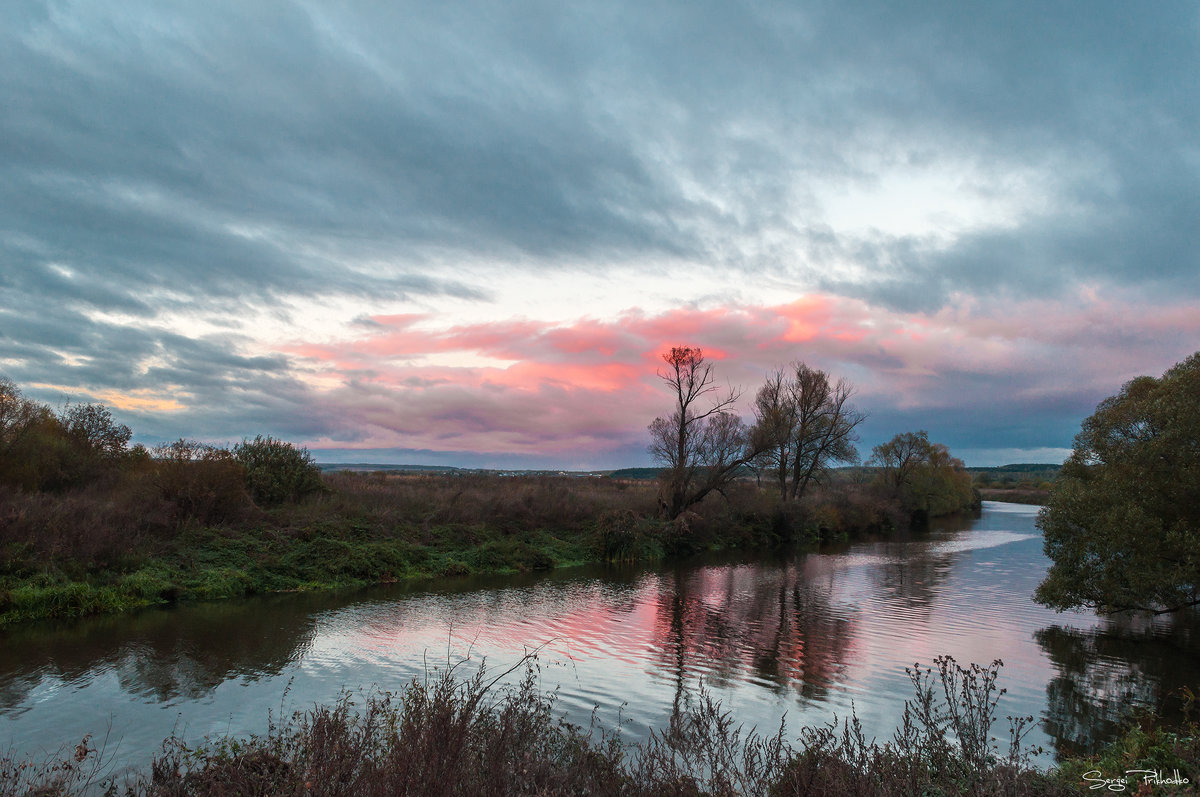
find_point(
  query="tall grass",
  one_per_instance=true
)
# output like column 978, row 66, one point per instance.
column 455, row 734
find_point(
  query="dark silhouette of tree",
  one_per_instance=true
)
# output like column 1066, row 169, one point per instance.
column 825, row 423
column 899, row 458
column 803, row 425
column 36, row 453
column 702, row 443
column 774, row 428
column 94, row 432
column 1122, row 526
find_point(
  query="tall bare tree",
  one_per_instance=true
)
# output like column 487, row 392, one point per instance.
column 774, row 428
column 825, row 426
column 804, row 424
column 702, row 443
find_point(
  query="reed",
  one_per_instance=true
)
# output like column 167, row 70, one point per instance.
column 455, row 732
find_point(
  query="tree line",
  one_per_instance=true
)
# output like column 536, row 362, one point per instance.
column 42, row 450
column 804, row 425
column 1122, row 524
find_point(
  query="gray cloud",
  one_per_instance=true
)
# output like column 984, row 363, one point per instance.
column 177, row 156
column 250, row 149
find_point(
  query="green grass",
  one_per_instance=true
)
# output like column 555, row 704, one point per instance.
column 210, row 564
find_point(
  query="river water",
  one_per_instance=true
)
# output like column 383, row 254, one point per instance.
column 809, row 636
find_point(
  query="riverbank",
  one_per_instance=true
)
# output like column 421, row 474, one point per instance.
column 1016, row 495
column 458, row 734
column 116, row 547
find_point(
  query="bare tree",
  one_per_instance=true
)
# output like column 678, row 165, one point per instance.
column 824, row 427
column 804, row 424
column 702, row 442
column 774, row 428
column 95, row 432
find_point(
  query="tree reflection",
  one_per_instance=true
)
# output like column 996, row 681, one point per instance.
column 773, row 624
column 161, row 654
column 1105, row 675
column 912, row 577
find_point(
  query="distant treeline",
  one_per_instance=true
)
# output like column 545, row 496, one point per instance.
column 1024, row 467
column 372, row 467
column 637, row 474
column 1017, row 473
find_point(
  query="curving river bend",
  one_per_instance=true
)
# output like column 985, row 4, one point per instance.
column 807, row 635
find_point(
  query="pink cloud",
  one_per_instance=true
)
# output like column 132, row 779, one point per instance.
column 592, row 384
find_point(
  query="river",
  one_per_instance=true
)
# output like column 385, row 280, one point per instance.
column 809, row 636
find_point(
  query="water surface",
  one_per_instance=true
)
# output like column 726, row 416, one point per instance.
column 809, row 636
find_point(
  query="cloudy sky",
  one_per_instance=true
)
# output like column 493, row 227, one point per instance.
column 463, row 233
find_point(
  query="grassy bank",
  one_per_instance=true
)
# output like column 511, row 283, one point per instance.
column 139, row 539
column 453, row 734
column 1016, row 495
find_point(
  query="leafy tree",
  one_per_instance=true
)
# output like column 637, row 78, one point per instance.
column 899, row 458
column 277, row 471
column 40, row 450
column 1122, row 526
column 11, row 403
column 928, row 481
column 701, row 447
column 35, row 453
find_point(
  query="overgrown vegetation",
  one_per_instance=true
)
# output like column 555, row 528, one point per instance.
column 447, row 734
column 184, row 526
column 90, row 526
column 923, row 475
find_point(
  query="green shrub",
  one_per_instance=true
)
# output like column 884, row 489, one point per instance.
column 277, row 471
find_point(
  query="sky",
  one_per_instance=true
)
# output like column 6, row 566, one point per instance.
column 464, row 233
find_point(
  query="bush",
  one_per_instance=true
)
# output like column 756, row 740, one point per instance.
column 205, row 483
column 277, row 471
column 43, row 451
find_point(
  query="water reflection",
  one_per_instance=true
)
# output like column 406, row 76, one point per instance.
column 1106, row 674
column 807, row 635
column 160, row 656
column 777, row 627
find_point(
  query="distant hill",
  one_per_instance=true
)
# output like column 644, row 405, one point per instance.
column 377, row 467
column 635, row 473
column 1025, row 467
column 1024, row 471
column 1013, row 476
